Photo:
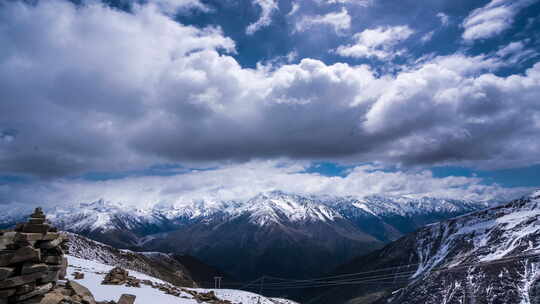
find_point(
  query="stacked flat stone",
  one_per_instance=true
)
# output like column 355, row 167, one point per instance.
column 31, row 260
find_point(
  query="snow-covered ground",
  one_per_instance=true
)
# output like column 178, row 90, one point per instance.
column 94, row 272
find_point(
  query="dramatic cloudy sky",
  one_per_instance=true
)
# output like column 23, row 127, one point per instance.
column 161, row 100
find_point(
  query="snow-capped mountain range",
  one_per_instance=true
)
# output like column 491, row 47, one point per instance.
column 304, row 228
column 488, row 257
column 263, row 209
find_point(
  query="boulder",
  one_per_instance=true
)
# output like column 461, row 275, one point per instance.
column 117, row 276
column 205, row 297
column 78, row 275
column 126, row 299
column 82, row 292
column 52, row 298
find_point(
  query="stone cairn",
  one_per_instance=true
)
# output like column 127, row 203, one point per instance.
column 33, row 267
column 31, row 260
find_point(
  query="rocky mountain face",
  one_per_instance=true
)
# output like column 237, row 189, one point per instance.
column 273, row 233
column 486, row 257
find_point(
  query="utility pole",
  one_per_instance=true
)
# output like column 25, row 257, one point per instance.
column 217, row 282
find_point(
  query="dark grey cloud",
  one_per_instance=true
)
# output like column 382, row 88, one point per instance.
column 99, row 89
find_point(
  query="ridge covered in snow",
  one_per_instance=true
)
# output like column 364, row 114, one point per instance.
column 95, row 259
column 263, row 209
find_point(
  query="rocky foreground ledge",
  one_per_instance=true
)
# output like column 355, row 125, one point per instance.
column 33, row 267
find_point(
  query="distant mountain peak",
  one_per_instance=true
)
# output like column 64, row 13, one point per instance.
column 535, row 194
column 102, row 204
column 278, row 206
column 270, row 207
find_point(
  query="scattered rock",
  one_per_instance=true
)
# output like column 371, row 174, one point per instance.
column 117, row 276
column 82, row 292
column 78, row 275
column 52, row 298
column 126, row 299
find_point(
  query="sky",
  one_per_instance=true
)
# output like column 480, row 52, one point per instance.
column 153, row 101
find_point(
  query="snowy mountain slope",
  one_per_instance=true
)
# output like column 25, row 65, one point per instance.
column 279, row 207
column 94, row 272
column 302, row 229
column 485, row 257
column 177, row 270
column 480, row 239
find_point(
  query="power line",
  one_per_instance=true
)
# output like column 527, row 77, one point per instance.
column 374, row 276
column 318, row 282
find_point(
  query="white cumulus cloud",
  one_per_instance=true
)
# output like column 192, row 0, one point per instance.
column 173, row 6
column 339, row 21
column 492, row 19
column 379, row 42
column 267, row 9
